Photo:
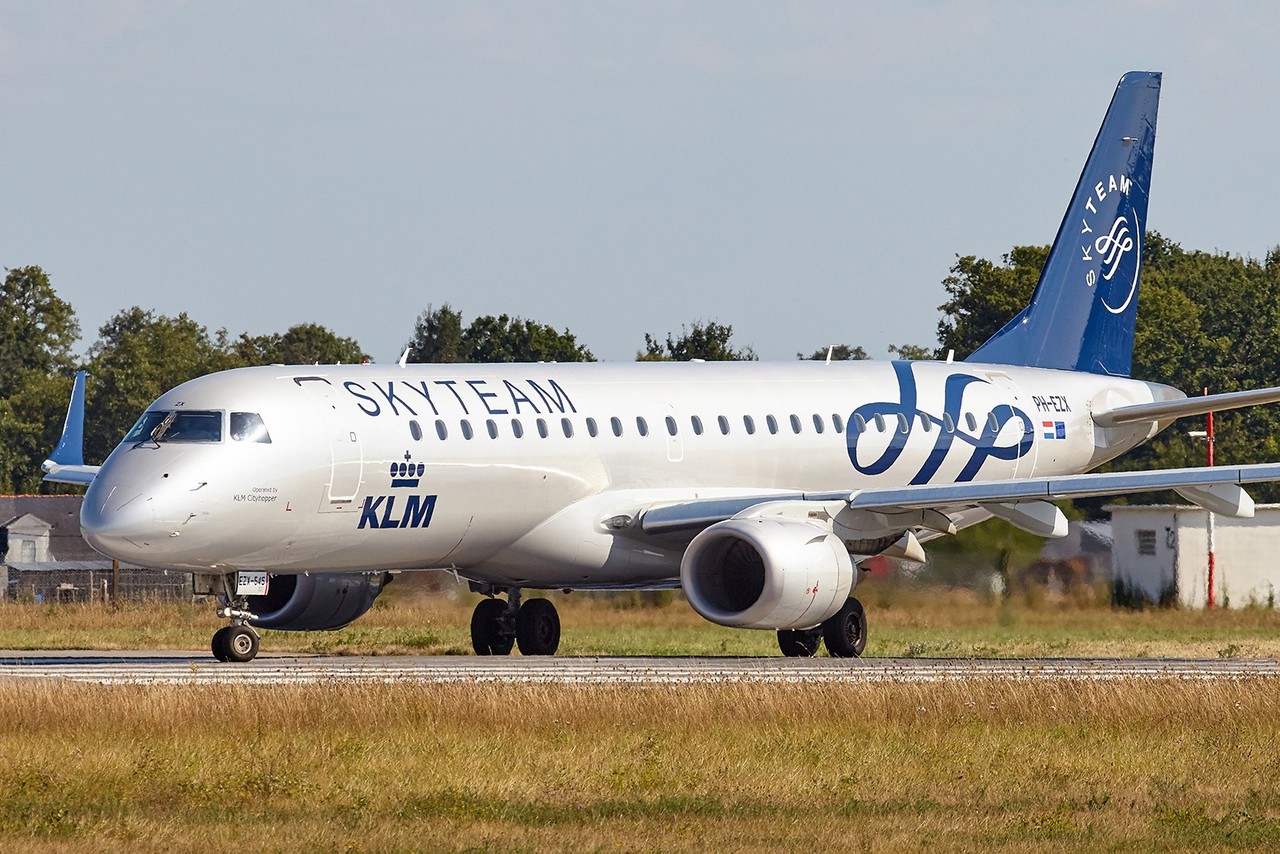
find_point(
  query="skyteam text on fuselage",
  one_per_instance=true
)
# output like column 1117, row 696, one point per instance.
column 292, row 492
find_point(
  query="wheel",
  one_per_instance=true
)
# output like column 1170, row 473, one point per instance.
column 846, row 632
column 219, row 644
column 799, row 643
column 538, row 627
column 487, row 634
column 241, row 643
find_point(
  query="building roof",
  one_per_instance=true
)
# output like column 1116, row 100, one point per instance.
column 62, row 513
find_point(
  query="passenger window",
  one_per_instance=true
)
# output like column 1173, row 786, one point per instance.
column 493, row 429
column 517, row 428
column 567, row 426
column 993, row 423
column 415, row 430
column 750, row 424
column 971, row 422
column 837, row 423
column 926, row 422
column 697, row 425
column 724, row 424
column 671, row 425
column 592, row 430
column 818, row 425
column 542, row 428
column 948, row 423
column 441, row 430
column 795, row 423
column 904, row 423
column 616, row 424
column 859, row 424
column 773, row 424
column 879, row 419
column 467, row 432
column 642, row 426
column 248, row 427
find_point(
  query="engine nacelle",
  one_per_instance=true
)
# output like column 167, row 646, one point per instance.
column 315, row 602
column 766, row 574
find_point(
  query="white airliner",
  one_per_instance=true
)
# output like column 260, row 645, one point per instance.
column 293, row 492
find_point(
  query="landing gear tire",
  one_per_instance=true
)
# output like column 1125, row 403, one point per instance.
column 219, row 643
column 846, row 632
column 799, row 643
column 538, row 628
column 234, row 643
column 489, row 633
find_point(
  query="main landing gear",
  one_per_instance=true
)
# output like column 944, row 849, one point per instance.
column 497, row 626
column 238, row 641
column 845, row 634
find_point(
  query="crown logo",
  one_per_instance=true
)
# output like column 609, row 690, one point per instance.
column 407, row 473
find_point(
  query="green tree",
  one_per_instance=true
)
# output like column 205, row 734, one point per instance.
column 303, row 344
column 37, row 328
column 707, row 341
column 138, row 356
column 839, row 353
column 439, row 336
column 984, row 296
column 911, row 352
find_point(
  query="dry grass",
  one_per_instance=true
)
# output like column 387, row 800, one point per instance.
column 1149, row 765
column 904, row 621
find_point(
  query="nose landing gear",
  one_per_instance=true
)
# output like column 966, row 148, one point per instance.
column 237, row 642
column 497, row 626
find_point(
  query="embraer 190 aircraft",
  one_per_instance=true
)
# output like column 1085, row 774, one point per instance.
column 292, row 493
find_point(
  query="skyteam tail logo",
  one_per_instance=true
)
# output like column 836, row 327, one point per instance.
column 1111, row 243
column 1054, row 429
column 948, row 426
column 379, row 511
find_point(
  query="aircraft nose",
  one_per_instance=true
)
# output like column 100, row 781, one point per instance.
column 119, row 524
column 133, row 510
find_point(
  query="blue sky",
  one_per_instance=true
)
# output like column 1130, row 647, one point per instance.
column 806, row 172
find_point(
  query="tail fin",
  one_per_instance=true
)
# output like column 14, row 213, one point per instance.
column 1082, row 313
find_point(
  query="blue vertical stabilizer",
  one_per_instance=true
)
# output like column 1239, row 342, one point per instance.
column 1082, row 312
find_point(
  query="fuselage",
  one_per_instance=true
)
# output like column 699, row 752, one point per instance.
column 510, row 473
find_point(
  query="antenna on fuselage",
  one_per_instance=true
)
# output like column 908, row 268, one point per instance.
column 404, row 357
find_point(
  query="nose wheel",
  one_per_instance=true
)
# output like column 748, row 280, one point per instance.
column 497, row 626
column 235, row 643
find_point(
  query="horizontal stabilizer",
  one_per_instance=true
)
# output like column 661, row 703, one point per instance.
column 1164, row 410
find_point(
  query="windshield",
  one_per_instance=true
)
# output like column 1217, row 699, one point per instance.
column 181, row 427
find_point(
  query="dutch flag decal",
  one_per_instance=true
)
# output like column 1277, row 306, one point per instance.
column 1054, row 429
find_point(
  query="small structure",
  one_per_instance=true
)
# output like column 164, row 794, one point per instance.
column 44, row 558
column 1161, row 556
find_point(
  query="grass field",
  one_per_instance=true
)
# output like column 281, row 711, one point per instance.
column 904, row 621
column 979, row 765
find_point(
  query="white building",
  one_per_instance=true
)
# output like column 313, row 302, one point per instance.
column 1161, row 555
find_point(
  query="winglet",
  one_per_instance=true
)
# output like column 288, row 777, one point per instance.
column 66, row 463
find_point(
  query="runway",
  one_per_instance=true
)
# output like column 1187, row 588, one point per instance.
column 152, row 668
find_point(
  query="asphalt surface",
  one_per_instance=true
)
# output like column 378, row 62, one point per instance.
column 191, row 668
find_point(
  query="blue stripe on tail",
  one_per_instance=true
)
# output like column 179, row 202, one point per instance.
column 1082, row 313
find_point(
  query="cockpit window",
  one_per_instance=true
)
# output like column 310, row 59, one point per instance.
column 248, row 427
column 177, row 426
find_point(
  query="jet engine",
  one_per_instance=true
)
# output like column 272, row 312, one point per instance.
column 766, row 574
column 318, row 601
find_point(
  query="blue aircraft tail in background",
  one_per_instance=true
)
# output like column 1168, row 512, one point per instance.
column 1081, row 316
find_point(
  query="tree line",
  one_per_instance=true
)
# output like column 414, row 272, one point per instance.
column 1205, row 319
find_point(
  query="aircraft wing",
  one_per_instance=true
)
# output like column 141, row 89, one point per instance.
column 1218, row 489
column 66, row 463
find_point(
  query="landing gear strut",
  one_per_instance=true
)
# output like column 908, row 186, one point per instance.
column 497, row 626
column 238, row 641
column 845, row 634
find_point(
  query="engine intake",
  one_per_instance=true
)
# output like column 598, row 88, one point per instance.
column 316, row 602
column 766, row 574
